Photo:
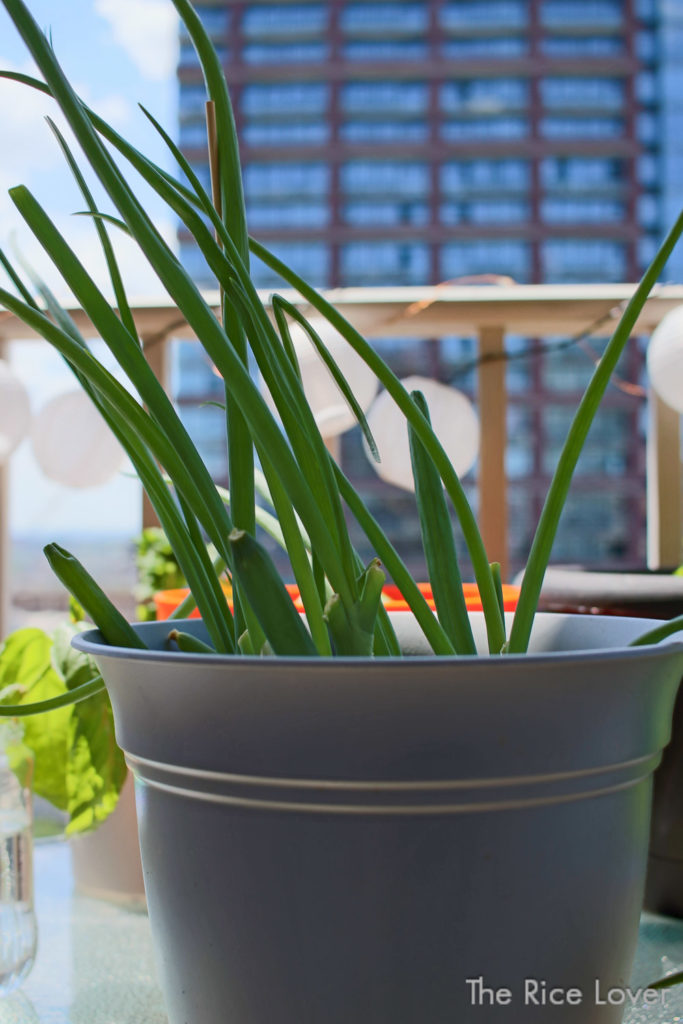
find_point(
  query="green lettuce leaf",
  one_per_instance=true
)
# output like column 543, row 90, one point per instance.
column 26, row 675
column 96, row 769
column 78, row 766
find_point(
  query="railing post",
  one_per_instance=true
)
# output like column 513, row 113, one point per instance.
column 156, row 352
column 663, row 485
column 493, row 424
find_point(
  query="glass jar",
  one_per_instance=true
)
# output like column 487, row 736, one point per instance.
column 18, row 931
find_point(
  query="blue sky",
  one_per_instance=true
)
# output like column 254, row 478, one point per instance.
column 117, row 53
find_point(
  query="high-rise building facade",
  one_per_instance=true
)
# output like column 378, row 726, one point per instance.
column 413, row 142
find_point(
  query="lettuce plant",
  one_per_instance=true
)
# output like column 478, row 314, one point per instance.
column 78, row 766
column 309, row 493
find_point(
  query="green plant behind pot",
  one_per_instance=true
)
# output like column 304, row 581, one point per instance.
column 157, row 568
column 310, row 495
column 78, row 766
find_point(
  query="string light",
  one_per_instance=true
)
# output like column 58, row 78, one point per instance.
column 453, row 419
column 665, row 359
column 72, row 443
column 15, row 412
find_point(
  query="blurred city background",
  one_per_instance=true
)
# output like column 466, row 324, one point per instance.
column 417, row 143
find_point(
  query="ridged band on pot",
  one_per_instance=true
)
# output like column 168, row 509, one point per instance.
column 322, row 796
column 342, row 841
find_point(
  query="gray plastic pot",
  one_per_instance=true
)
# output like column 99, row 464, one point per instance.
column 350, row 841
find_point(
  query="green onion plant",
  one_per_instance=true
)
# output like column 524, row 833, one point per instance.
column 309, row 497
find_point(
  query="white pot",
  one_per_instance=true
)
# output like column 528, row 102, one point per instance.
column 106, row 862
column 349, row 841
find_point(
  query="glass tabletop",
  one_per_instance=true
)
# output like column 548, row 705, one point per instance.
column 95, row 963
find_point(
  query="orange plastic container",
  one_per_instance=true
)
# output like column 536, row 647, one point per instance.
column 166, row 601
column 394, row 602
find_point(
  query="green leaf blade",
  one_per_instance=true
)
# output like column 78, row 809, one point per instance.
column 541, row 547
column 438, row 542
column 269, row 599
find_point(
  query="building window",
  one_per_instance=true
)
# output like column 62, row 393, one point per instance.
column 484, row 128
column 267, row 20
column 286, row 179
column 581, row 12
column 395, row 19
column 403, row 99
column 508, row 13
column 264, row 216
column 489, row 211
column 518, row 373
column 581, row 127
column 648, row 210
column 384, row 131
column 188, row 54
column 646, row 9
column 391, row 49
column 646, row 87
column 588, row 211
column 384, row 262
column 192, row 101
column 646, row 46
column 385, row 214
column 519, row 454
column 582, row 46
column 606, row 450
column 583, row 259
column 579, row 173
column 285, row 133
column 192, row 371
column 565, row 368
column 285, row 53
column 484, row 95
column 196, row 266
column 595, row 527
column 206, row 426
column 582, row 92
column 485, row 176
column 201, row 169
column 647, row 249
column 506, row 256
column 192, row 134
column 457, row 358
column 385, row 177
column 505, row 46
column 294, row 98
column 309, row 259
column 647, row 169
column 647, row 127
column 214, row 19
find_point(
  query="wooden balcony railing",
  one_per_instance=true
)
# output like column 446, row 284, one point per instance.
column 488, row 312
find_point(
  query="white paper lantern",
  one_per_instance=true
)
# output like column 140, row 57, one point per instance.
column 665, row 359
column 73, row 445
column 454, row 422
column 327, row 403
column 15, row 412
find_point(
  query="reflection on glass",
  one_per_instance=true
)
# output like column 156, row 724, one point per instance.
column 17, row 1008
